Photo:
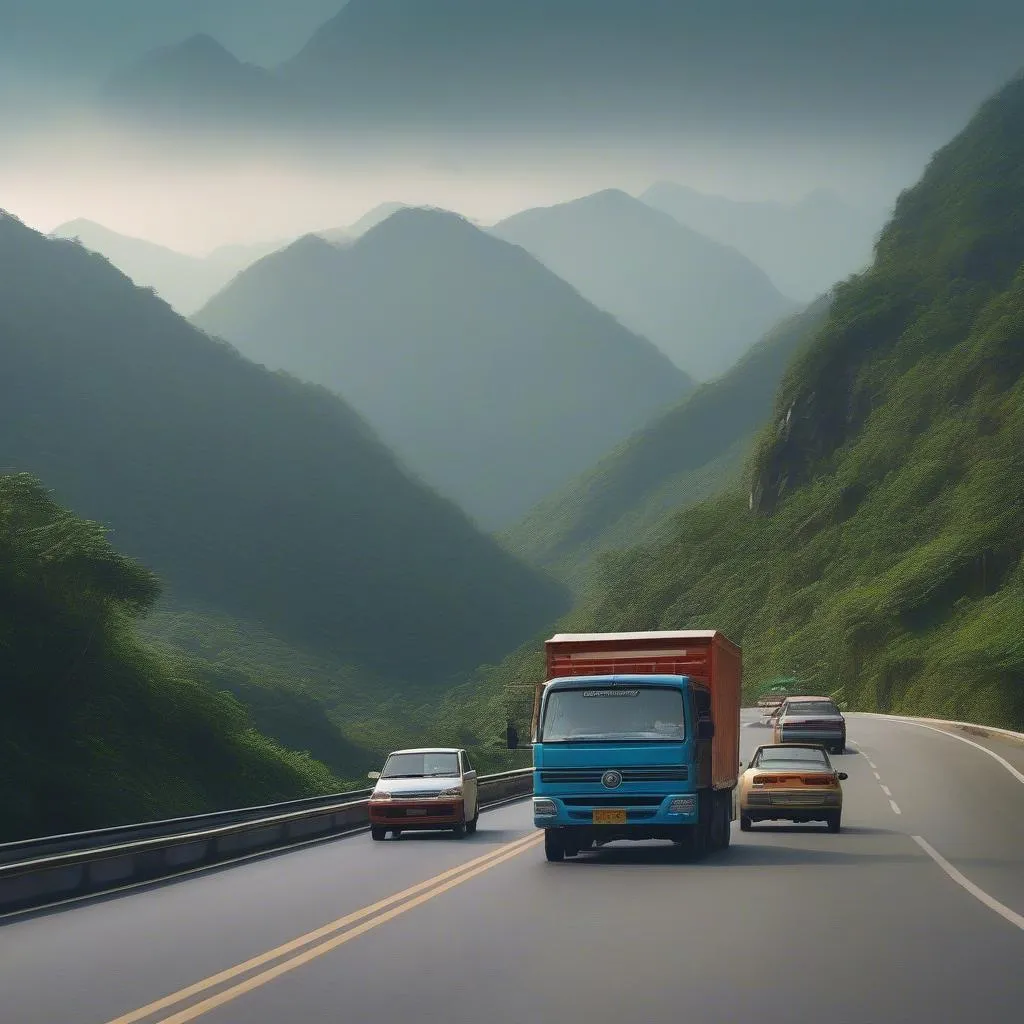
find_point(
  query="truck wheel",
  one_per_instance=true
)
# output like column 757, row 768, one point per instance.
column 378, row 834
column 745, row 823
column 554, row 848
column 726, row 822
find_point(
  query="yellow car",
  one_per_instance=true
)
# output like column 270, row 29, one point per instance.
column 791, row 782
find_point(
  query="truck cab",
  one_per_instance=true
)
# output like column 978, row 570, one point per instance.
column 646, row 747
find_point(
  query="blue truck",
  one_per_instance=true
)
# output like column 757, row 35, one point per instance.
column 636, row 736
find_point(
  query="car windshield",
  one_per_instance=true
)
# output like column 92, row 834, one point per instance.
column 421, row 766
column 643, row 713
column 812, row 707
column 809, row 756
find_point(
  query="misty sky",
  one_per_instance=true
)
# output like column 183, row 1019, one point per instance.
column 489, row 107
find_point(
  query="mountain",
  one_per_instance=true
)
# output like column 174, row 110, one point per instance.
column 879, row 545
column 685, row 455
column 702, row 303
column 374, row 217
column 490, row 376
column 197, row 79
column 804, row 247
column 245, row 490
column 516, row 72
column 185, row 282
column 98, row 729
column 875, row 549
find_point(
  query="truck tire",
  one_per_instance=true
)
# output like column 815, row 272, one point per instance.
column 554, row 848
column 726, row 821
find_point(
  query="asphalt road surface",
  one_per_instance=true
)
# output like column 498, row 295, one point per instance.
column 913, row 913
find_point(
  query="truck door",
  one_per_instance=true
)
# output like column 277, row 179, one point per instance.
column 702, row 709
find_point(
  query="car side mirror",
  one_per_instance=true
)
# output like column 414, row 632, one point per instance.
column 705, row 729
column 373, row 775
column 842, row 776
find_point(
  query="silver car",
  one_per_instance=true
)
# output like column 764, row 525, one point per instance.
column 811, row 720
column 425, row 789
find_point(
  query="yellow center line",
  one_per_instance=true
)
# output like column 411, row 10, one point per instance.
column 258, row 980
column 474, row 867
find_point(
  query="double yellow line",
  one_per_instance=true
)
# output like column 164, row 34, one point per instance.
column 308, row 947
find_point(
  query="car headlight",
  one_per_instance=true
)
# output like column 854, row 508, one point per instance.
column 380, row 794
column 544, row 808
column 452, row 791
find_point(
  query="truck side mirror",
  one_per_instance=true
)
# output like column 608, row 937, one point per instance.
column 705, row 729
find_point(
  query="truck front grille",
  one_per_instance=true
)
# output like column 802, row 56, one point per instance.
column 626, row 800
column 644, row 773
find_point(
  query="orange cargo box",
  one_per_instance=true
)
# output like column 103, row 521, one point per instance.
column 705, row 655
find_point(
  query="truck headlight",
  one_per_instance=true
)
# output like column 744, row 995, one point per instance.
column 683, row 805
column 544, row 808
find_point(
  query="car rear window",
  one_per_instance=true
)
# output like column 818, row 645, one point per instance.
column 793, row 755
column 816, row 707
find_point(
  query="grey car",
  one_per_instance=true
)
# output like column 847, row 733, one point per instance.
column 812, row 720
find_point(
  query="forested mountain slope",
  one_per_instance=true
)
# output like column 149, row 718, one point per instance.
column 877, row 550
column 685, row 455
column 98, row 729
column 246, row 491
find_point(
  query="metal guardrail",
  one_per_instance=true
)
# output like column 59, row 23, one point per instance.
column 37, row 873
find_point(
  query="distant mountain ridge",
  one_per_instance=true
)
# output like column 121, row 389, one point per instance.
column 703, row 303
column 489, row 375
column 417, row 66
column 805, row 247
column 184, row 281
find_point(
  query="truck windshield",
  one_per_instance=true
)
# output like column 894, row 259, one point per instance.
column 639, row 713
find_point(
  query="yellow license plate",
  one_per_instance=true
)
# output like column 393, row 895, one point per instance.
column 610, row 817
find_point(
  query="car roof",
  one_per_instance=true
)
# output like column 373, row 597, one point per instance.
column 427, row 750
column 789, row 746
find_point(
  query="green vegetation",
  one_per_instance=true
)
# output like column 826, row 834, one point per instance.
column 99, row 729
column 878, row 552
column 688, row 454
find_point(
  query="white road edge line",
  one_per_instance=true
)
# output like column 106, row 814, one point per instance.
column 1019, row 776
column 979, row 894
column 892, row 804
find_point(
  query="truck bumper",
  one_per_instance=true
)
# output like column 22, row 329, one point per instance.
column 572, row 812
